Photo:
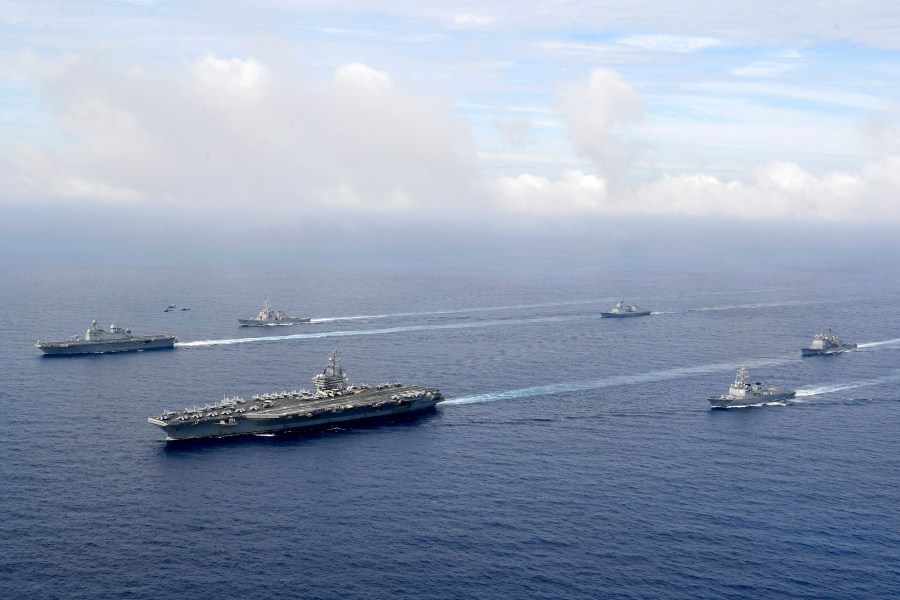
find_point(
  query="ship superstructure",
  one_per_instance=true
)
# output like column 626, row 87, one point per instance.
column 97, row 340
column 333, row 401
column 267, row 316
column 826, row 342
column 744, row 393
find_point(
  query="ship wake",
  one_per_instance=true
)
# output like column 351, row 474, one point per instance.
column 670, row 374
column 617, row 380
column 450, row 311
column 387, row 330
column 840, row 387
column 892, row 342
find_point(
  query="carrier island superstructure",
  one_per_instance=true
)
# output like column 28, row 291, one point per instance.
column 334, row 401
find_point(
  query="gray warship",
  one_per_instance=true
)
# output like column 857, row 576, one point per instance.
column 334, row 401
column 97, row 340
column 267, row 316
column 826, row 342
column 625, row 310
column 744, row 393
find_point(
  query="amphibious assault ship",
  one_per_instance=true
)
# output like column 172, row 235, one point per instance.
column 97, row 340
column 267, row 316
column 334, row 401
column 625, row 310
column 744, row 393
column 826, row 342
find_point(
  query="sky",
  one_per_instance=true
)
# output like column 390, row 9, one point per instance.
column 230, row 116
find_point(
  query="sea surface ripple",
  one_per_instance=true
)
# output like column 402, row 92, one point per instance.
column 576, row 457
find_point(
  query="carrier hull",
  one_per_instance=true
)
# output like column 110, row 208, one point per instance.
column 296, row 412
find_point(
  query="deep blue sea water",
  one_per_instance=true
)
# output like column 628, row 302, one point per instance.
column 575, row 457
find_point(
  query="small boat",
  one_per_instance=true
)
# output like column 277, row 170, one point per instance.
column 826, row 342
column 622, row 309
column 744, row 393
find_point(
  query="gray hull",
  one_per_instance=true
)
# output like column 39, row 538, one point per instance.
column 135, row 344
column 264, row 322
column 612, row 315
column 820, row 351
column 729, row 402
column 293, row 414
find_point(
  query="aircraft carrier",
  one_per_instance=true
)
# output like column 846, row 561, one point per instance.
column 334, row 401
column 97, row 340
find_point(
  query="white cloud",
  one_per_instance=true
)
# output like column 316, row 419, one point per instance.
column 765, row 68
column 598, row 113
column 359, row 74
column 826, row 94
column 231, row 76
column 234, row 137
column 574, row 192
column 670, row 43
column 239, row 139
column 472, row 21
column 778, row 191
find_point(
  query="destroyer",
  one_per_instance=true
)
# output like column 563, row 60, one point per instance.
column 743, row 393
column 334, row 401
column 267, row 316
column 826, row 342
column 625, row 310
column 97, row 340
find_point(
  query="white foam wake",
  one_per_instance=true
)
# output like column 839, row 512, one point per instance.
column 754, row 305
column 882, row 343
column 840, row 387
column 451, row 311
column 387, row 330
column 617, row 380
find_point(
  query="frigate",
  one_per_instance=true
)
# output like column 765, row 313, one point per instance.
column 97, row 340
column 333, row 401
column 826, row 342
column 267, row 316
column 622, row 309
column 744, row 393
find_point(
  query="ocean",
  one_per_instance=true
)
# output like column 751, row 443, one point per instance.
column 575, row 457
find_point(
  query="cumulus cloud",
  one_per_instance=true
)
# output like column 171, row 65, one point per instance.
column 574, row 192
column 778, row 190
column 598, row 113
column 235, row 137
column 233, row 77
column 240, row 140
column 362, row 76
